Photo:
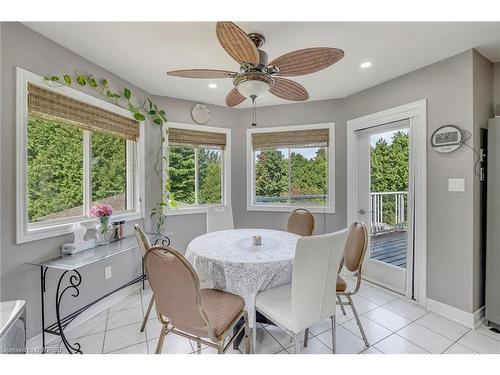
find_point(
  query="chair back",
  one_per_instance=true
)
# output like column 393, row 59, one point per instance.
column 355, row 246
column 219, row 218
column 314, row 277
column 142, row 239
column 300, row 222
column 176, row 288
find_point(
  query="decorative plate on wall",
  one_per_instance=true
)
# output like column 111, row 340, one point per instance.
column 200, row 114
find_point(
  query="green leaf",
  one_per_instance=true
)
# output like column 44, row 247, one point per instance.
column 67, row 79
column 158, row 121
column 163, row 115
column 54, row 78
column 109, row 94
column 46, row 78
column 92, row 82
column 139, row 116
column 150, row 103
column 152, row 113
column 105, row 83
column 82, row 81
column 117, row 96
column 131, row 108
column 126, row 93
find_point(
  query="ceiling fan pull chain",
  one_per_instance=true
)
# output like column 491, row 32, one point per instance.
column 254, row 112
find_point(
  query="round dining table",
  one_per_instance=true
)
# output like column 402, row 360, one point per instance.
column 229, row 260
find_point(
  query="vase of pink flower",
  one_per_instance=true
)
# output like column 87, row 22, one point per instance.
column 103, row 230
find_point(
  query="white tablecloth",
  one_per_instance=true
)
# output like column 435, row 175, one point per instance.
column 228, row 260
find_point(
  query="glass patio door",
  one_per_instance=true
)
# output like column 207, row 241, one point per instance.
column 383, row 199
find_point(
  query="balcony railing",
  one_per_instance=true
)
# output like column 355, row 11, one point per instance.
column 388, row 211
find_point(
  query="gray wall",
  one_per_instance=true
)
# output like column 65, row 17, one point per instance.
column 452, row 97
column 22, row 47
column 496, row 68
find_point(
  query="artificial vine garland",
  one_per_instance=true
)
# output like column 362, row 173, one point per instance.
column 140, row 112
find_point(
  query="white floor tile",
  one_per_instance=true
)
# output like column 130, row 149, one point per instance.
column 443, row 326
column 406, row 308
column 321, row 327
column 210, row 350
column 374, row 331
column 340, row 317
column 387, row 318
column 88, row 345
column 459, row 349
column 124, row 317
column 425, row 338
column 377, row 295
column 130, row 301
column 347, row 342
column 371, row 350
column 314, row 346
column 480, row 343
column 363, row 305
column 265, row 343
column 395, row 344
column 123, row 337
column 281, row 336
column 97, row 324
column 173, row 344
column 141, row 348
column 486, row 331
column 153, row 328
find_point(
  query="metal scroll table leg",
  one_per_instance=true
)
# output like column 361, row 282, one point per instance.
column 74, row 281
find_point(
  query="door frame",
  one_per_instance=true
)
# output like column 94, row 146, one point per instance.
column 416, row 112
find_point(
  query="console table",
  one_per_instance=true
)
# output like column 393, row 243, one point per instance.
column 70, row 264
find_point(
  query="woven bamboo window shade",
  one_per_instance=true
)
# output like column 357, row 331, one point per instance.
column 185, row 137
column 49, row 105
column 293, row 138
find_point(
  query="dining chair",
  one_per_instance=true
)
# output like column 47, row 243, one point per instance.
column 183, row 308
column 301, row 222
column 353, row 256
column 144, row 245
column 310, row 297
column 219, row 218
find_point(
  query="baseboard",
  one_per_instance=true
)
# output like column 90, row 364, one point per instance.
column 467, row 319
column 106, row 303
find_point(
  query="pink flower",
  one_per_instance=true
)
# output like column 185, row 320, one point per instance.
column 101, row 210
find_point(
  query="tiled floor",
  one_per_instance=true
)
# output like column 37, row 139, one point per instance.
column 392, row 324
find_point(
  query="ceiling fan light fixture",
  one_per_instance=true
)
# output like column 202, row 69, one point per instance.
column 253, row 84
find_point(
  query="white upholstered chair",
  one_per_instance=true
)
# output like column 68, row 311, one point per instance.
column 311, row 296
column 219, row 218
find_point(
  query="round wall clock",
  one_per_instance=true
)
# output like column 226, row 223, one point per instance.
column 200, row 114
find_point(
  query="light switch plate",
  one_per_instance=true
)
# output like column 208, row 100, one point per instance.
column 456, row 185
column 107, row 273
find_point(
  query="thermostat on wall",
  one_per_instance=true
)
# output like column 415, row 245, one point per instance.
column 447, row 138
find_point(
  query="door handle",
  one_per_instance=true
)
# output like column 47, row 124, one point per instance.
column 361, row 212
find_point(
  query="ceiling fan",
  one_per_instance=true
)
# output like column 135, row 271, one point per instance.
column 256, row 76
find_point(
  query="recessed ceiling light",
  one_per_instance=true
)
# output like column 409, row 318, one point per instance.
column 365, row 65
column 212, row 85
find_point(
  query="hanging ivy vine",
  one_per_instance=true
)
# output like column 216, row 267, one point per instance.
column 140, row 112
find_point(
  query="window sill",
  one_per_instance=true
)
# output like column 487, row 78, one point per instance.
column 39, row 232
column 189, row 211
column 288, row 208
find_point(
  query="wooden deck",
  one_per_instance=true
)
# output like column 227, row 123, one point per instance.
column 390, row 248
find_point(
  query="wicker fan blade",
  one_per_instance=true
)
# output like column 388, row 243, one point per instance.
column 234, row 98
column 202, row 73
column 306, row 61
column 236, row 43
column 289, row 90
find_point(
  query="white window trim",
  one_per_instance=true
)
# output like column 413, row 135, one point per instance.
column 226, row 167
column 25, row 231
column 329, row 207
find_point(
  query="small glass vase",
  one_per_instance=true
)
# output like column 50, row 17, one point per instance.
column 103, row 231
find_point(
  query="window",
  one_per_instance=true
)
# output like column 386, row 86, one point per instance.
column 290, row 167
column 72, row 155
column 198, row 167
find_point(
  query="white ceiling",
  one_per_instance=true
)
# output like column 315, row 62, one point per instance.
column 142, row 52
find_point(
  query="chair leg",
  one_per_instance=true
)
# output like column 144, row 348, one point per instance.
column 306, row 337
column 161, row 339
column 334, row 334
column 148, row 311
column 254, row 333
column 341, row 304
column 247, row 335
column 220, row 347
column 296, row 340
column 358, row 321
